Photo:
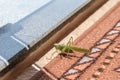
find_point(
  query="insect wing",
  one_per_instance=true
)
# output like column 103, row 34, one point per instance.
column 79, row 49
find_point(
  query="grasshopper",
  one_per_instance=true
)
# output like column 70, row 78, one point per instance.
column 68, row 48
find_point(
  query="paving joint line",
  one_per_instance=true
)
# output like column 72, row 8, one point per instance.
column 22, row 43
column 105, row 63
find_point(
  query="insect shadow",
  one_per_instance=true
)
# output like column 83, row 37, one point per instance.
column 67, row 56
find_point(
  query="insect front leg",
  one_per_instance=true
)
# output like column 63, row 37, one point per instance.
column 64, row 49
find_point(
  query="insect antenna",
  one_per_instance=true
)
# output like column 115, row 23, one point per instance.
column 52, row 55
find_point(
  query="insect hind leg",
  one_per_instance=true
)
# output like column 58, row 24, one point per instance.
column 70, row 41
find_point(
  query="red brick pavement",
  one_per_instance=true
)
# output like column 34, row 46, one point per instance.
column 102, row 63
